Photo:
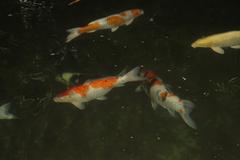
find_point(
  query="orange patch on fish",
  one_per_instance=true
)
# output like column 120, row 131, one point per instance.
column 115, row 20
column 150, row 75
column 82, row 90
column 180, row 110
column 135, row 12
column 65, row 93
column 157, row 82
column 90, row 27
column 104, row 83
column 163, row 95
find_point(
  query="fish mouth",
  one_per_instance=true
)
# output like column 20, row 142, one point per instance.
column 194, row 45
column 56, row 99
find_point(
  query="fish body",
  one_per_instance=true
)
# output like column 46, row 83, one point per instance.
column 218, row 41
column 73, row 2
column 112, row 22
column 4, row 112
column 96, row 89
column 161, row 95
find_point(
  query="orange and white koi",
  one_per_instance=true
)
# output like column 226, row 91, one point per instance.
column 96, row 89
column 161, row 95
column 112, row 22
column 73, row 2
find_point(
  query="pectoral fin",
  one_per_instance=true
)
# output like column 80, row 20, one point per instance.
column 114, row 29
column 79, row 105
column 119, row 85
column 139, row 88
column 91, row 31
column 218, row 50
column 236, row 47
column 101, row 98
column 154, row 105
column 129, row 22
column 171, row 112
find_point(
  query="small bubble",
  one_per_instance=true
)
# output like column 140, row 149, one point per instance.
column 151, row 19
column 142, row 41
column 158, row 138
column 101, row 36
column 206, row 93
column 131, row 137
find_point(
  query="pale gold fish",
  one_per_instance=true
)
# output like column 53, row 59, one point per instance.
column 218, row 41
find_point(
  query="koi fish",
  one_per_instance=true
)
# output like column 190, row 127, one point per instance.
column 96, row 89
column 73, row 2
column 217, row 41
column 4, row 112
column 161, row 95
column 112, row 22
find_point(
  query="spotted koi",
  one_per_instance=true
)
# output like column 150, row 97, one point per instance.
column 112, row 22
column 96, row 89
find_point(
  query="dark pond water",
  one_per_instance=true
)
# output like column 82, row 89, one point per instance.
column 124, row 127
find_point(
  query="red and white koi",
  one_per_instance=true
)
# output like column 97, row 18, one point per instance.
column 112, row 22
column 161, row 95
column 96, row 89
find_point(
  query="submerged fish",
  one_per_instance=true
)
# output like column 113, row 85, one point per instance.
column 218, row 41
column 161, row 95
column 4, row 112
column 66, row 77
column 111, row 22
column 73, row 2
column 96, row 89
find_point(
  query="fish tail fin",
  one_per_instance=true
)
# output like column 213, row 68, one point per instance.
column 73, row 33
column 188, row 106
column 133, row 75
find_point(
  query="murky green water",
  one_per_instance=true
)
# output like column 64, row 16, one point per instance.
column 124, row 127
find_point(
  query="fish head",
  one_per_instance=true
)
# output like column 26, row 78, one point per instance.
column 65, row 96
column 150, row 75
column 137, row 12
column 200, row 43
